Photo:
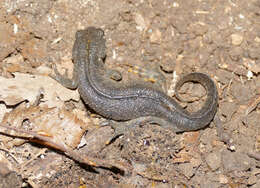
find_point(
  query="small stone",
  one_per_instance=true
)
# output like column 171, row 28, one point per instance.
column 232, row 148
column 235, row 161
column 156, row 36
column 140, row 22
column 253, row 53
column 187, row 169
column 214, row 160
column 196, row 162
column 236, row 39
column 7, row 42
column 223, row 179
column 249, row 75
column 257, row 39
column 241, row 92
column 228, row 109
column 199, row 29
column 257, row 185
column 236, row 53
column 252, row 180
column 44, row 70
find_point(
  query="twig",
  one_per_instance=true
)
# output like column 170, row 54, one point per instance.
column 42, row 151
column 94, row 162
column 9, row 154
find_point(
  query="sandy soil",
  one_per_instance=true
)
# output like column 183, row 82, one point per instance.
column 165, row 38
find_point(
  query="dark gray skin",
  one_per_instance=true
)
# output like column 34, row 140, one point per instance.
column 131, row 101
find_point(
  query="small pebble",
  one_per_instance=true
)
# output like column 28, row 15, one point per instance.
column 214, row 160
column 223, row 179
column 236, row 39
column 252, row 180
column 156, row 36
column 140, row 22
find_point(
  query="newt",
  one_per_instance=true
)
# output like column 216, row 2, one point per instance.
column 134, row 101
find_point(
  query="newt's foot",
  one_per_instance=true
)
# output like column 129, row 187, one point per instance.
column 63, row 78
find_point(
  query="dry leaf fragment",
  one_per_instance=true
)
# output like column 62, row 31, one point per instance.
column 69, row 152
column 26, row 87
column 55, row 128
column 60, row 126
column 16, row 63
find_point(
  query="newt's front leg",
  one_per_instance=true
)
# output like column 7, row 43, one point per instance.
column 64, row 80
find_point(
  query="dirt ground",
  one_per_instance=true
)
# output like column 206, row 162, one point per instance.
column 161, row 40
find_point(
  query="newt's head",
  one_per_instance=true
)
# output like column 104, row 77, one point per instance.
column 93, row 40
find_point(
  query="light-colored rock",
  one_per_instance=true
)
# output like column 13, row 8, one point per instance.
column 214, row 160
column 236, row 39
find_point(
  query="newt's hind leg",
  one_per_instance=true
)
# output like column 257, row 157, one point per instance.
column 114, row 75
column 122, row 127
